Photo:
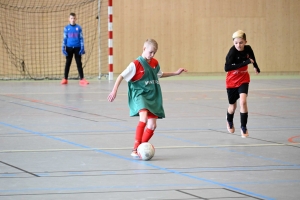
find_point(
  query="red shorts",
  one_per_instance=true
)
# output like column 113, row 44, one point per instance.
column 150, row 115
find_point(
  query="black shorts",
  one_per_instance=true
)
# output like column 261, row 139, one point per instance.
column 234, row 93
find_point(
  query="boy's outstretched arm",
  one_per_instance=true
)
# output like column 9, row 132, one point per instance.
column 178, row 72
column 113, row 93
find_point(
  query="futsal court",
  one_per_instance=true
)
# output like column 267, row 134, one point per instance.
column 69, row 142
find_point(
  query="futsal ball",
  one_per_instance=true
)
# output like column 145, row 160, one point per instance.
column 146, row 151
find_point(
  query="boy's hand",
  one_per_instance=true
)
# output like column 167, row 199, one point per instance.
column 256, row 70
column 82, row 51
column 180, row 70
column 63, row 49
column 111, row 96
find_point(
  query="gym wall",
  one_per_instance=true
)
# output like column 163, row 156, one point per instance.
column 196, row 34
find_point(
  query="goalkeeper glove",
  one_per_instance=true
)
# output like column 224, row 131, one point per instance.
column 81, row 52
column 64, row 51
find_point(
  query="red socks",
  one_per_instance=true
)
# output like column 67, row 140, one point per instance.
column 139, row 134
column 147, row 135
column 142, row 135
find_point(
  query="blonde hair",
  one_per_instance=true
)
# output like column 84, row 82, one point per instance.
column 239, row 34
column 151, row 42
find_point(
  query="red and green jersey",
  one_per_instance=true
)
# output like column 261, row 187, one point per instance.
column 144, row 90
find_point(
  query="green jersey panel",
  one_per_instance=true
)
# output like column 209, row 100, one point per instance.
column 145, row 93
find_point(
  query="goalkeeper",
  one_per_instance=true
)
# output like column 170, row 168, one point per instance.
column 73, row 44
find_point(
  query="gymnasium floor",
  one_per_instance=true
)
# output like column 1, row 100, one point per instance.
column 68, row 142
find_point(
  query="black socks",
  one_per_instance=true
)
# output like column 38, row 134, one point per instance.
column 230, row 117
column 244, row 119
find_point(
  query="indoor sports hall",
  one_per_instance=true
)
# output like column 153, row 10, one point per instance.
column 67, row 141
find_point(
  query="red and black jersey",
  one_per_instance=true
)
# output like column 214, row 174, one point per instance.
column 236, row 66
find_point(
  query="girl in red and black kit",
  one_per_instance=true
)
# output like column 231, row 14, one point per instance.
column 237, row 79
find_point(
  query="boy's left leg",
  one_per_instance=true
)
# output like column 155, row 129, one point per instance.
column 244, row 115
column 243, row 92
column 151, row 126
column 79, row 66
column 69, row 58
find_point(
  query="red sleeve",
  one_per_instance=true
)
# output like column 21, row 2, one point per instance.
column 140, row 69
column 153, row 63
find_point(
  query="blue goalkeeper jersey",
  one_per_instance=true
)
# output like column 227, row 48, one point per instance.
column 73, row 36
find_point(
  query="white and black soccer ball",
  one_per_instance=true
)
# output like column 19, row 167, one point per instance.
column 146, row 151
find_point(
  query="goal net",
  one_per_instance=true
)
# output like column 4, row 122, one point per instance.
column 31, row 34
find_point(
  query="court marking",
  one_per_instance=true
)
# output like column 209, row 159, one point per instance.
column 164, row 91
column 233, row 151
column 156, row 147
column 156, row 171
column 291, row 139
column 224, row 148
column 57, row 106
column 134, row 189
column 128, row 130
column 148, row 164
column 53, row 112
column 27, row 172
column 192, row 195
column 140, row 186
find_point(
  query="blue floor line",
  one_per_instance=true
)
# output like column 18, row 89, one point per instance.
column 103, row 187
column 220, row 148
column 149, row 186
column 126, row 130
column 231, row 150
column 142, row 162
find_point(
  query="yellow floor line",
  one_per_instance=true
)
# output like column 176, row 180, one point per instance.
column 160, row 147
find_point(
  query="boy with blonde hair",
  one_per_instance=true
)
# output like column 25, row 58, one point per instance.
column 144, row 92
column 238, row 79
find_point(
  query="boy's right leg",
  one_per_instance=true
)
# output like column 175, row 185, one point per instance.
column 230, row 114
column 233, row 96
column 139, row 132
column 68, row 64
